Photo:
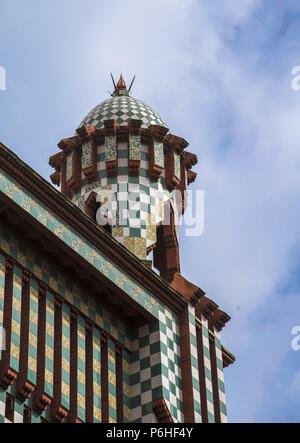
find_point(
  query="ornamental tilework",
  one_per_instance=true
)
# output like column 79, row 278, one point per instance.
column 86, row 158
column 195, row 363
column 96, row 375
column 151, row 363
column 2, row 281
column 177, row 168
column 79, row 245
column 207, row 368
column 136, row 205
column 112, row 391
column 220, row 377
column 69, row 166
column 49, row 354
column 19, row 408
column 110, row 148
column 126, row 386
column 16, row 319
column 33, row 331
column 66, row 354
column 121, row 109
column 81, row 368
column 170, row 360
column 159, row 159
column 137, row 246
column 155, row 369
column 135, row 147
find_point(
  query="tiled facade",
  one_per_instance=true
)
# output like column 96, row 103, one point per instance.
column 153, row 358
column 135, row 204
column 72, row 354
column 151, row 368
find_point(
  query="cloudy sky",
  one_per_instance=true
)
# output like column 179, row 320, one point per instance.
column 219, row 73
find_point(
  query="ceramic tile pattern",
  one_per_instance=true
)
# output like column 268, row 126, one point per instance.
column 207, row 368
column 151, row 363
column 110, row 148
column 121, row 109
column 220, row 372
column 69, row 166
column 16, row 319
column 177, row 169
column 135, row 145
column 66, row 337
column 159, row 159
column 86, row 158
column 33, row 330
column 136, row 203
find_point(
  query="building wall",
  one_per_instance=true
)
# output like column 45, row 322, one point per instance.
column 84, row 342
column 151, row 354
column 136, row 203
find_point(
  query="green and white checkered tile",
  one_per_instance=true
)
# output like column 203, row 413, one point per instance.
column 155, row 369
column 170, row 361
column 207, row 369
column 195, row 364
column 220, row 374
column 121, row 109
column 135, row 202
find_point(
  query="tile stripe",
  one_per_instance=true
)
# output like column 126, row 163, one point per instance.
column 104, row 378
column 97, row 376
column 89, row 373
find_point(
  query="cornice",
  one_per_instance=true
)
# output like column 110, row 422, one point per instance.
column 218, row 319
column 228, row 358
column 206, row 307
column 190, row 159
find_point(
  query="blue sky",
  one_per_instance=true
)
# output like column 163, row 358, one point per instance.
column 219, row 73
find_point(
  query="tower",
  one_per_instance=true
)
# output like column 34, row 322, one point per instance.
column 92, row 334
column 128, row 172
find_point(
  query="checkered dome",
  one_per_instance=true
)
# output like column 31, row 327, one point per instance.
column 122, row 108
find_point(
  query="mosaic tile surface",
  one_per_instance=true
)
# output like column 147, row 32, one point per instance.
column 78, row 244
column 121, row 109
column 137, row 203
column 207, row 369
column 135, row 147
column 110, row 148
column 177, row 165
column 159, row 154
column 33, row 331
column 69, row 166
column 220, row 376
column 155, row 369
column 86, row 158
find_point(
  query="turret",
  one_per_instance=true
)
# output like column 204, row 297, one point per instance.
column 125, row 170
